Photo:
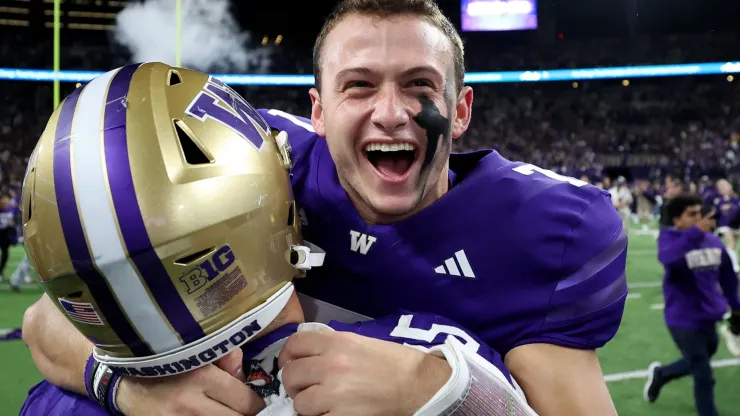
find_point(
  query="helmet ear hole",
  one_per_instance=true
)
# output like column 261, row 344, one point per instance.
column 193, row 150
column 185, row 260
column 291, row 215
column 29, row 207
column 27, row 201
column 173, row 78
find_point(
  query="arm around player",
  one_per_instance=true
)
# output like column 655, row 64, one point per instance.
column 60, row 352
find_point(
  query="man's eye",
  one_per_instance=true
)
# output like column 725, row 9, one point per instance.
column 357, row 84
column 422, row 83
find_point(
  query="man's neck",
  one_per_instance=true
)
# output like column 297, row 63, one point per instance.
column 440, row 188
column 292, row 313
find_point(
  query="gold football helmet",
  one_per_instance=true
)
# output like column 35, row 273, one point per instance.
column 158, row 212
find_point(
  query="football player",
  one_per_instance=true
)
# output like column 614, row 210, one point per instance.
column 169, row 296
column 139, row 241
column 696, row 265
column 537, row 272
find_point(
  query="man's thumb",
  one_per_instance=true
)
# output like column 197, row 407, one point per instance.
column 232, row 364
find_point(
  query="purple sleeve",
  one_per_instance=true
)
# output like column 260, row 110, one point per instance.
column 586, row 243
column 674, row 244
column 48, row 399
column 729, row 283
column 423, row 330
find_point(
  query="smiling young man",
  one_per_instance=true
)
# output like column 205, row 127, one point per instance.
column 531, row 261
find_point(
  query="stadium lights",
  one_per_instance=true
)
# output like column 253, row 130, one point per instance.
column 265, row 39
column 625, row 83
column 575, row 84
column 730, row 78
column 570, row 75
column 278, row 39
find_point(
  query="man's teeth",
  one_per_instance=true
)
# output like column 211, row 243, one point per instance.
column 393, row 147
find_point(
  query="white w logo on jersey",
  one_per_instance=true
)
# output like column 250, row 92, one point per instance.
column 361, row 242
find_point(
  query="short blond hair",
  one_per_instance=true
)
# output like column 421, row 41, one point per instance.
column 426, row 10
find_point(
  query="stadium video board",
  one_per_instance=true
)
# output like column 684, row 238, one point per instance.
column 498, row 15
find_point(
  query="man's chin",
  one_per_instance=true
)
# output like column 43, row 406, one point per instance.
column 390, row 208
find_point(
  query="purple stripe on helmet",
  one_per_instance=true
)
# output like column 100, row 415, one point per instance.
column 128, row 212
column 74, row 235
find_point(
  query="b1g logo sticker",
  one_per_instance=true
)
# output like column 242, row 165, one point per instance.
column 209, row 269
column 227, row 284
column 219, row 102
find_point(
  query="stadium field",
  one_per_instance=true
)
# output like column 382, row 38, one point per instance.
column 642, row 339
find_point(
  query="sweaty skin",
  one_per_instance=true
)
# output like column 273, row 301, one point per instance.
column 436, row 125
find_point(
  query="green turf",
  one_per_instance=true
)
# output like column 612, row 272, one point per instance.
column 641, row 339
column 16, row 367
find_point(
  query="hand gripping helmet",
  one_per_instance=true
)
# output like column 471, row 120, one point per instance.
column 158, row 213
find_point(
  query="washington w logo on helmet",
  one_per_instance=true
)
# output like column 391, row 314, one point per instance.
column 242, row 117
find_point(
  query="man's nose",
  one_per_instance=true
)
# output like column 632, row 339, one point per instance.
column 390, row 112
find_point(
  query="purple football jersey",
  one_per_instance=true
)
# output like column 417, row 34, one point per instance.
column 413, row 329
column 421, row 330
column 696, row 265
column 49, row 400
column 515, row 253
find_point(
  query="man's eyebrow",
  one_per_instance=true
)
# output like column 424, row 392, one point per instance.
column 423, row 68
column 367, row 71
column 354, row 71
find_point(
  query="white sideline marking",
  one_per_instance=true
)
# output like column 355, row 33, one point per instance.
column 634, row 295
column 729, row 362
column 657, row 306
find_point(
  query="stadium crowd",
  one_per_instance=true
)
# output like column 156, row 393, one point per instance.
column 684, row 126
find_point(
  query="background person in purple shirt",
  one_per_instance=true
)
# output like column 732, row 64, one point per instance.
column 7, row 224
column 696, row 265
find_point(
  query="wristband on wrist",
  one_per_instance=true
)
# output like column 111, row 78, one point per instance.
column 101, row 384
column 90, row 368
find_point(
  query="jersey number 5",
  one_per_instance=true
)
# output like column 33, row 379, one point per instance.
column 530, row 169
column 404, row 330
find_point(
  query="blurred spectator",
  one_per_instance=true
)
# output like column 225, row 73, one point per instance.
column 622, row 199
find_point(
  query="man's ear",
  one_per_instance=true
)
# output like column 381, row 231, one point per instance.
column 463, row 111
column 317, row 112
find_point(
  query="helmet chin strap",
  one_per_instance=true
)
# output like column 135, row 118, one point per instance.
column 206, row 350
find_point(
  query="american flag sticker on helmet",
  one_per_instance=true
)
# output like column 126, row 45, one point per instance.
column 81, row 312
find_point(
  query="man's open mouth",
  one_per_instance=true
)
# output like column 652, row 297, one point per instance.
column 391, row 160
